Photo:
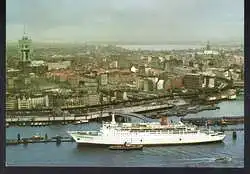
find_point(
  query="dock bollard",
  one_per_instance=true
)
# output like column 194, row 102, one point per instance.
column 234, row 135
column 18, row 137
column 58, row 140
column 46, row 137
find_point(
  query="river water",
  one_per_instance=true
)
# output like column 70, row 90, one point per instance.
column 69, row 154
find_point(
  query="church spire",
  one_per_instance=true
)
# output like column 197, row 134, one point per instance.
column 24, row 29
column 208, row 46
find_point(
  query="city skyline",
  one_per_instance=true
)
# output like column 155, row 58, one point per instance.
column 126, row 21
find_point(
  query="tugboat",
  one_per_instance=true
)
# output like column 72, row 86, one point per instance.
column 126, row 147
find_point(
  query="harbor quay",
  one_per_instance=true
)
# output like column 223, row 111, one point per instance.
column 47, row 120
column 222, row 121
column 174, row 107
column 210, row 96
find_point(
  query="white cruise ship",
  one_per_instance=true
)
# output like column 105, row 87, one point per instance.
column 113, row 133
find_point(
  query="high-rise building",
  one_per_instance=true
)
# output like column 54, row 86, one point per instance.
column 140, row 84
column 93, row 99
column 11, row 103
column 104, row 79
column 148, row 85
column 193, row 81
column 24, row 53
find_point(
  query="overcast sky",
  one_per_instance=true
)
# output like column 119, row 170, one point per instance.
column 125, row 20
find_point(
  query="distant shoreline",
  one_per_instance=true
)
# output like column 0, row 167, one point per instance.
column 228, row 43
column 162, row 47
column 135, row 47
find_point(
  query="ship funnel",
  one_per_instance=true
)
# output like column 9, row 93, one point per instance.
column 113, row 118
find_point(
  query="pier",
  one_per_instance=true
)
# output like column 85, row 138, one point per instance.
column 32, row 140
column 45, row 120
column 222, row 129
column 214, row 120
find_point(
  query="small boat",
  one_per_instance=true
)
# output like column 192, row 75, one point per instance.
column 36, row 137
column 126, row 147
column 12, row 142
column 223, row 159
column 80, row 122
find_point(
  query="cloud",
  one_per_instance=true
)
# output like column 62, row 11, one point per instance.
column 130, row 20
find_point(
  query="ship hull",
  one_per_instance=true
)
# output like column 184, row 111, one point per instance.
column 149, row 145
column 147, row 140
